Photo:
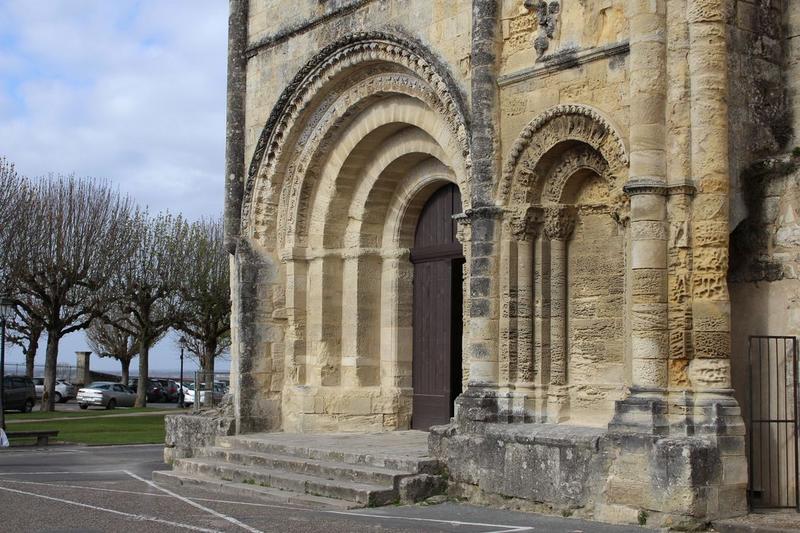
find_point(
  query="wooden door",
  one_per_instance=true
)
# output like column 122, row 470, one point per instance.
column 437, row 309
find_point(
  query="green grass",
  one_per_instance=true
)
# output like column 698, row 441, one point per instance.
column 91, row 412
column 97, row 430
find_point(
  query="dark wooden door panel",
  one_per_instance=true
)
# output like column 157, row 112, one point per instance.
column 436, row 366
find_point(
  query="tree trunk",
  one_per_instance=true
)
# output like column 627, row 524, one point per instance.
column 126, row 366
column 50, row 361
column 144, row 359
column 207, row 364
column 30, row 353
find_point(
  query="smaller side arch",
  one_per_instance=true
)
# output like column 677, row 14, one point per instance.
column 559, row 124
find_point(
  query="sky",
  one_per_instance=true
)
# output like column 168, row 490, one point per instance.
column 132, row 91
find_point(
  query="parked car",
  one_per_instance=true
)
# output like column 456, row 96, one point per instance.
column 106, row 394
column 155, row 392
column 170, row 389
column 65, row 390
column 213, row 396
column 19, row 394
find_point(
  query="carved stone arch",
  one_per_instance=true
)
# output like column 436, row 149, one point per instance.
column 562, row 124
column 332, row 166
column 400, row 156
column 562, row 176
column 337, row 62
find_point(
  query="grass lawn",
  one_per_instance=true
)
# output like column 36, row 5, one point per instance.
column 99, row 430
column 91, row 412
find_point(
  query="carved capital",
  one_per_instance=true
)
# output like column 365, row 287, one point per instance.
column 559, row 221
column 525, row 223
column 463, row 227
column 645, row 186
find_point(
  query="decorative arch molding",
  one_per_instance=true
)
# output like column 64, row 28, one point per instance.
column 330, row 65
column 569, row 165
column 559, row 124
column 310, row 181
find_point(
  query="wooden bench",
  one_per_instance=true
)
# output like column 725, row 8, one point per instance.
column 42, row 436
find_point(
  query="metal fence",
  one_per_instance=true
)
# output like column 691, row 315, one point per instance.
column 207, row 391
column 63, row 371
column 774, row 475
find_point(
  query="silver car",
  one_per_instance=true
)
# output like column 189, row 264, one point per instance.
column 64, row 390
column 106, row 394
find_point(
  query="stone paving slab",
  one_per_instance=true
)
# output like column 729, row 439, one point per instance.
column 783, row 521
column 406, row 444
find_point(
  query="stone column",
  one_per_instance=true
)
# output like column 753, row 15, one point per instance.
column 647, row 266
column 483, row 323
column 82, row 368
column 324, row 327
column 524, row 231
column 541, row 323
column 361, row 285
column 507, row 324
column 708, row 69
column 464, row 236
column 479, row 402
column 558, row 225
column 396, row 297
column 295, row 340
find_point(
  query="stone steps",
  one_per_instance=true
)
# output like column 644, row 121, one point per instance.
column 361, row 493
column 245, row 490
column 355, row 470
column 399, row 462
column 311, row 467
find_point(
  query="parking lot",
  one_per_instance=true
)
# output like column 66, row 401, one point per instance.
column 108, row 488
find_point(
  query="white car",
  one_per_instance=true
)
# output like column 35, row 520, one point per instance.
column 64, row 390
column 106, row 394
column 205, row 395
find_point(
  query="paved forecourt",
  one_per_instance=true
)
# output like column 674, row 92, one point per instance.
column 108, row 488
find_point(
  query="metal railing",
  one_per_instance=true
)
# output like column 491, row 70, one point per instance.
column 774, row 470
column 207, row 391
column 63, row 371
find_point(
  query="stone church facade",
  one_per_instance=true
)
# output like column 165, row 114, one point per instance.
column 509, row 223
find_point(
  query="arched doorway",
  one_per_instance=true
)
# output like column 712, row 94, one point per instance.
column 437, row 310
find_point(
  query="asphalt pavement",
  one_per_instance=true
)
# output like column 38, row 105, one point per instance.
column 108, row 489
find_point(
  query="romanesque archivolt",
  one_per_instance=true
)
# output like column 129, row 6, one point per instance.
column 604, row 149
column 337, row 82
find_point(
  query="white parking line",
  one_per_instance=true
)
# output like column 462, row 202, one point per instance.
column 87, row 472
column 503, row 528
column 113, row 511
column 288, row 506
column 506, row 528
column 195, row 504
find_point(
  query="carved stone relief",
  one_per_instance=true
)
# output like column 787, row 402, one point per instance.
column 547, row 20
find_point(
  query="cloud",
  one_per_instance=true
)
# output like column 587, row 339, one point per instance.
column 132, row 91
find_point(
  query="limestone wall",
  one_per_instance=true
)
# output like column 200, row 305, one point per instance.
column 290, row 37
column 761, row 122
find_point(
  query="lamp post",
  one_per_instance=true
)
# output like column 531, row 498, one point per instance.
column 6, row 313
column 182, row 343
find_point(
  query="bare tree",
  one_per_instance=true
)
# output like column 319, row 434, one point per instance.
column 25, row 331
column 71, row 238
column 109, row 340
column 148, row 285
column 206, row 295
